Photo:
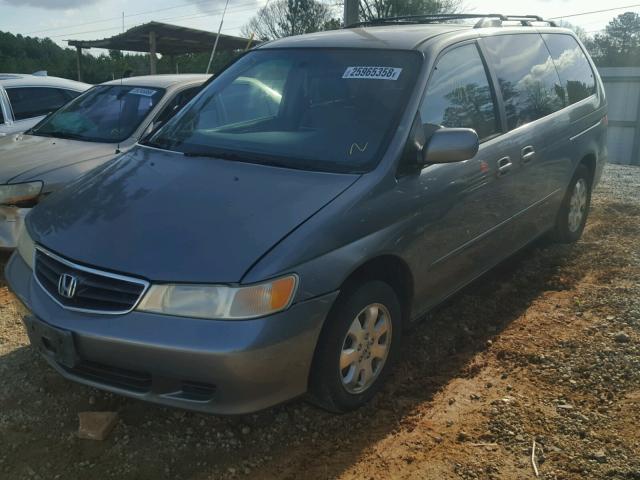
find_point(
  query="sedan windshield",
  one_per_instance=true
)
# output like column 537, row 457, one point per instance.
column 106, row 113
column 318, row 109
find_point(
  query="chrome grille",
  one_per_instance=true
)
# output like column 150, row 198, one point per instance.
column 94, row 291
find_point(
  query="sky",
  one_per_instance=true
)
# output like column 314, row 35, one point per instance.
column 93, row 19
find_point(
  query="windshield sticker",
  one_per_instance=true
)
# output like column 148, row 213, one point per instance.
column 145, row 92
column 372, row 73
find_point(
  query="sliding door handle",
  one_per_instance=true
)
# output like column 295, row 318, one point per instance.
column 528, row 154
column 504, row 165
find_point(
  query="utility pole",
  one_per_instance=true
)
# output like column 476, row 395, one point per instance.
column 351, row 12
column 215, row 45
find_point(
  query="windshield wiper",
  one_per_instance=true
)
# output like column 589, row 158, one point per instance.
column 274, row 161
column 240, row 157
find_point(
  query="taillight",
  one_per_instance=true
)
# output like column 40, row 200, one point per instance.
column 605, row 120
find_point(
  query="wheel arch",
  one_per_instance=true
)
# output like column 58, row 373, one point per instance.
column 390, row 269
column 590, row 162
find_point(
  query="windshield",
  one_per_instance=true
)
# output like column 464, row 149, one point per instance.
column 319, row 109
column 106, row 113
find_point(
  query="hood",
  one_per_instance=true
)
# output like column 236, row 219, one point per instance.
column 166, row 217
column 29, row 157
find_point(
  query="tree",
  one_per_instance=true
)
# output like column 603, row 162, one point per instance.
column 373, row 9
column 20, row 54
column 283, row 18
column 580, row 32
column 619, row 45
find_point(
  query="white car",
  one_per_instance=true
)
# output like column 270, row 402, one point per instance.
column 27, row 99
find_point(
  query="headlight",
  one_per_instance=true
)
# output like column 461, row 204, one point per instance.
column 26, row 247
column 219, row 301
column 19, row 192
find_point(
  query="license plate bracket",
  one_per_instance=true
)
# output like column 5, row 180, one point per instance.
column 52, row 342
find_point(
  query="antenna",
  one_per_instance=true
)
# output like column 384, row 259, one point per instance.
column 253, row 34
column 215, row 45
column 121, row 102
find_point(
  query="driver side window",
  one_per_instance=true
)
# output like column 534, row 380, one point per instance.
column 459, row 95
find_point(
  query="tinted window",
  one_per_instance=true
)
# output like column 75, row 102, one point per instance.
column 70, row 94
column 29, row 102
column 527, row 76
column 573, row 67
column 459, row 94
column 317, row 109
column 174, row 106
column 106, row 113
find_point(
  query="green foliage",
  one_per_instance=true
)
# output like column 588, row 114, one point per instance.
column 619, row 46
column 19, row 54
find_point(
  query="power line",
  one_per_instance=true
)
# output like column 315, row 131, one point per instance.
column 594, row 11
column 93, row 22
column 192, row 16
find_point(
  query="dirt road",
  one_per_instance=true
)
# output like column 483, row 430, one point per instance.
column 545, row 348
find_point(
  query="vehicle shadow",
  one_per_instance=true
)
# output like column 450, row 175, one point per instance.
column 281, row 442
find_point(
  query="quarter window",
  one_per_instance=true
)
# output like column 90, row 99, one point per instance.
column 29, row 102
column 459, row 94
column 527, row 76
column 573, row 67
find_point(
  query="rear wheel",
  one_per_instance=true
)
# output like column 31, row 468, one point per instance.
column 574, row 210
column 357, row 347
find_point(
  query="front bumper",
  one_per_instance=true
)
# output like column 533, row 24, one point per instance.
column 224, row 367
column 11, row 222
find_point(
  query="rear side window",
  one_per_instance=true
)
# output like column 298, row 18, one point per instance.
column 573, row 67
column 527, row 76
column 459, row 94
column 29, row 102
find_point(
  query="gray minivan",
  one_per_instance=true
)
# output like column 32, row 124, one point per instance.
column 321, row 194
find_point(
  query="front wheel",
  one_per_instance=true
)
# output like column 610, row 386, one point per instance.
column 357, row 347
column 572, row 216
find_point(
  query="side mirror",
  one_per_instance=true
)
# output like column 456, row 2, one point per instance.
column 448, row 145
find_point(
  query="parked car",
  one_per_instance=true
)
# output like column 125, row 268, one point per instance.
column 279, row 234
column 96, row 127
column 27, row 99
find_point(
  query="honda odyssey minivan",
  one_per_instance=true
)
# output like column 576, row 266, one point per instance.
column 278, row 235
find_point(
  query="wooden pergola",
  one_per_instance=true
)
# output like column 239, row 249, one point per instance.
column 162, row 38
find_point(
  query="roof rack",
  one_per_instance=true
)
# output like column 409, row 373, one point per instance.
column 486, row 20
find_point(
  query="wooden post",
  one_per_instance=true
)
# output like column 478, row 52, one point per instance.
column 79, row 62
column 173, row 63
column 351, row 12
column 152, row 53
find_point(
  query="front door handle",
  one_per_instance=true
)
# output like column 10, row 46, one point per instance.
column 504, row 165
column 528, row 154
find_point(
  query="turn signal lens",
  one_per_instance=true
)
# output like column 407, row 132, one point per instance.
column 269, row 297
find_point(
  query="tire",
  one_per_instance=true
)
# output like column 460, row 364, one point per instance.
column 343, row 390
column 573, row 213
